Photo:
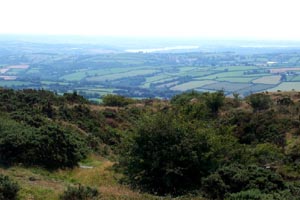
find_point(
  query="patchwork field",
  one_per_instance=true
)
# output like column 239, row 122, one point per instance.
column 192, row 85
column 226, row 86
column 127, row 74
column 286, row 86
column 151, row 75
column 268, row 80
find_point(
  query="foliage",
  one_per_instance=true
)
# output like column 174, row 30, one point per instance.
column 237, row 178
column 175, row 147
column 167, row 156
column 259, row 128
column 116, row 100
column 184, row 98
column 8, row 188
column 80, row 193
column 259, row 101
column 50, row 146
column 214, row 101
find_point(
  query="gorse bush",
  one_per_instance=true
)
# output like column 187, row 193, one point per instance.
column 50, row 146
column 167, row 156
column 116, row 100
column 8, row 188
column 237, row 178
column 259, row 101
column 80, row 193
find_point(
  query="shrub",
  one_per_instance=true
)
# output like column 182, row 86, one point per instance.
column 249, row 195
column 116, row 100
column 167, row 156
column 259, row 101
column 59, row 147
column 50, row 146
column 237, row 178
column 80, row 193
column 8, row 189
column 214, row 101
column 185, row 97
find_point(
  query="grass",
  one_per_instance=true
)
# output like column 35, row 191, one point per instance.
column 167, row 85
column 256, row 88
column 38, row 183
column 223, row 74
column 226, row 86
column 185, row 69
column 286, row 86
column 153, row 79
column 196, row 73
column 268, row 80
column 77, row 76
column 236, row 79
column 33, row 71
column 54, row 82
column 110, row 77
column 13, row 83
column 192, row 85
column 294, row 78
column 237, row 68
column 13, row 72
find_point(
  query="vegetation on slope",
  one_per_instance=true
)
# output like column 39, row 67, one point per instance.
column 196, row 146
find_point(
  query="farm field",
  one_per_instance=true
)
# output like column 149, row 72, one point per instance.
column 127, row 74
column 287, row 86
column 149, row 75
column 268, row 80
column 192, row 85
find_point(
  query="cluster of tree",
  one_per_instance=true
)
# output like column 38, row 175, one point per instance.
column 223, row 152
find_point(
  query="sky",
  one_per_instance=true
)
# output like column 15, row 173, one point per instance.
column 256, row 19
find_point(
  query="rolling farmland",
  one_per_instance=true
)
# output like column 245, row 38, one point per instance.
column 141, row 75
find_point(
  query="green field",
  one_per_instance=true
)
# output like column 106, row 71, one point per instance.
column 286, row 86
column 192, row 85
column 77, row 76
column 268, row 80
column 226, row 86
column 127, row 74
column 95, row 74
column 13, row 83
column 236, row 79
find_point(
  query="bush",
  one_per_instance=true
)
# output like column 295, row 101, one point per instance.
column 116, row 100
column 80, row 193
column 249, row 195
column 167, row 156
column 185, row 97
column 214, row 101
column 59, row 147
column 237, row 178
column 8, row 189
column 50, row 146
column 259, row 101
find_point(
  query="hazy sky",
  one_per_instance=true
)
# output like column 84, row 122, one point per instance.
column 266, row 19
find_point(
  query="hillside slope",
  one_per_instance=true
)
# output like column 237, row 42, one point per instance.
column 195, row 146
